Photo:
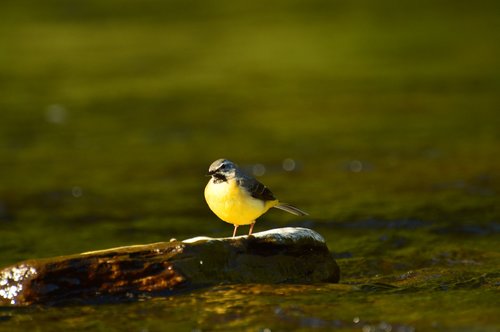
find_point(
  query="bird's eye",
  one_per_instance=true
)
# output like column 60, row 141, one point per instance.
column 223, row 166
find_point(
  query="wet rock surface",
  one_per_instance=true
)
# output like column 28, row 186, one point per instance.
column 286, row 255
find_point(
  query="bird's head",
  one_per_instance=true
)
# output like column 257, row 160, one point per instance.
column 222, row 169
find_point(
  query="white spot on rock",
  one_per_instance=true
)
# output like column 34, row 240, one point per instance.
column 11, row 281
column 279, row 234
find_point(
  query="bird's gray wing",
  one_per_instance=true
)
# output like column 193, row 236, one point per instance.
column 256, row 189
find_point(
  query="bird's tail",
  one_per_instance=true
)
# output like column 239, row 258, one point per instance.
column 291, row 209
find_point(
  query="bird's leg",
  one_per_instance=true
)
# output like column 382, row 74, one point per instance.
column 235, row 228
column 251, row 228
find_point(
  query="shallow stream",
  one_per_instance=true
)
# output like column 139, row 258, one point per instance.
column 380, row 120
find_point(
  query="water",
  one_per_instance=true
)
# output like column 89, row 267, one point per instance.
column 380, row 121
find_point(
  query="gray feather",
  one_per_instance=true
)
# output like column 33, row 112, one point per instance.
column 291, row 209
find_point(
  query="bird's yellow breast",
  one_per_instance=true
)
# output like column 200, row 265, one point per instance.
column 234, row 204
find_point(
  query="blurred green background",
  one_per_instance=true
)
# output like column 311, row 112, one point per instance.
column 111, row 112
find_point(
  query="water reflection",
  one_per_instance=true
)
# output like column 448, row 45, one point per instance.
column 56, row 114
column 241, row 307
column 77, row 191
column 289, row 164
column 261, row 305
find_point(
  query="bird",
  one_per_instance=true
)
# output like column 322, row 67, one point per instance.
column 238, row 198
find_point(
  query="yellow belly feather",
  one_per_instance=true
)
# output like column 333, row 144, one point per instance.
column 233, row 205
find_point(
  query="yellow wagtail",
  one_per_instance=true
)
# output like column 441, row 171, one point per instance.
column 238, row 198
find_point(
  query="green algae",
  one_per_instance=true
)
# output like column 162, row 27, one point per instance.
column 110, row 114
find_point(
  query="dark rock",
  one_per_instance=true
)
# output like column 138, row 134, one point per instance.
column 286, row 255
